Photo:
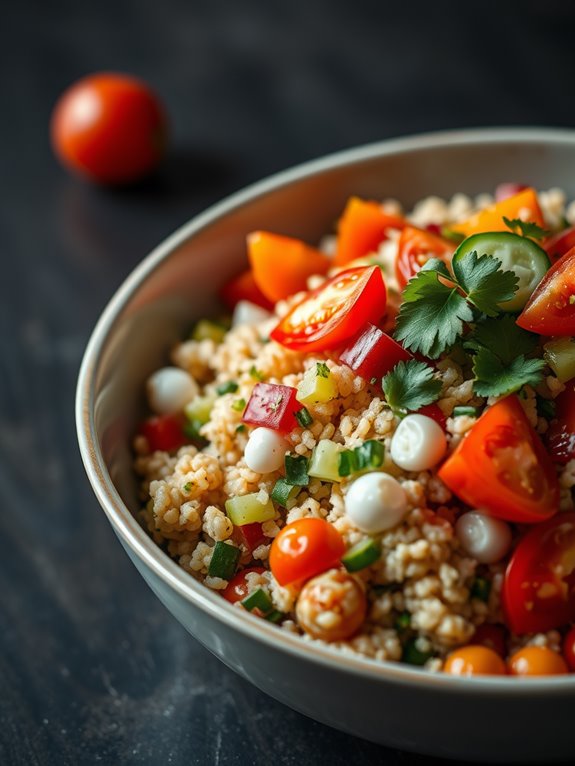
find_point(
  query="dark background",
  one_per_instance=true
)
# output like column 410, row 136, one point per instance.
column 92, row 667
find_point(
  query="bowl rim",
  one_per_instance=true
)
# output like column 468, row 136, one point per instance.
column 144, row 547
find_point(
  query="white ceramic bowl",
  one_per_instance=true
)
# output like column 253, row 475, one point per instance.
column 493, row 719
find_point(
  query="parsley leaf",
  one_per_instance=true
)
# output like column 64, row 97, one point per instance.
column 526, row 228
column 494, row 378
column 484, row 282
column 410, row 385
column 322, row 370
column 502, row 336
column 431, row 315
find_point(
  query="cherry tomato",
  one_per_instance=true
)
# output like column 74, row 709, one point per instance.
column 569, row 649
column 502, row 466
column 372, row 353
column 551, row 308
column 538, row 591
column 524, row 205
column 415, row 248
column 305, row 548
column 244, row 288
column 109, row 128
column 165, row 432
column 335, row 312
column 560, row 437
column 491, row 636
column 557, row 245
column 237, row 588
column 474, row 661
column 273, row 406
column 536, row 661
column 361, row 228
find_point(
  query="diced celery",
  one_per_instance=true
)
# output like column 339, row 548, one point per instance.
column 200, row 408
column 247, row 509
column 324, row 463
column 205, row 329
column 316, row 387
column 560, row 356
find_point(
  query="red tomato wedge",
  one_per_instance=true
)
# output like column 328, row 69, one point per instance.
column 523, row 205
column 557, row 245
column 502, row 467
column 415, row 248
column 329, row 316
column 551, row 308
column 539, row 585
column 244, row 288
column 560, row 437
column 361, row 228
column 282, row 265
column 372, row 353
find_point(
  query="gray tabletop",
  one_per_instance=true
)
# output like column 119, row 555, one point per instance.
column 92, row 668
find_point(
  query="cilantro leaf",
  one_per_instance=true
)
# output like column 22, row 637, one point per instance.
column 431, row 316
column 503, row 337
column 526, row 228
column 494, row 378
column 410, row 385
column 484, row 282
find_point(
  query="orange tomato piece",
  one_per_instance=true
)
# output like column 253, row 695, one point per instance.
column 361, row 228
column 281, row 265
column 474, row 660
column 523, row 205
column 537, row 661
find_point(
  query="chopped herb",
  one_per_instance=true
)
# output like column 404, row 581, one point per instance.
column 546, row 407
column 322, row 370
column 255, row 373
column 403, row 621
column 283, row 492
column 412, row 653
column 240, row 429
column 188, row 486
column 470, row 412
column 410, row 385
column 229, row 387
column 526, row 228
column 276, row 403
column 480, row 588
column 224, row 561
column 191, row 429
column 303, row 417
column 296, row 470
column 275, row 616
column 259, row 599
column 238, row 405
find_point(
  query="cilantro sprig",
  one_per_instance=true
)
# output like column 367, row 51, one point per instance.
column 437, row 304
column 410, row 385
column 526, row 228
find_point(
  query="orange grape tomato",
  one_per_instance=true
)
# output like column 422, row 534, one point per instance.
column 335, row 312
column 537, row 661
column 474, row 660
column 305, row 548
column 502, row 466
column 361, row 228
column 523, row 205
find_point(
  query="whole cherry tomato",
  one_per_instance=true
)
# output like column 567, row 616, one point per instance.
column 164, row 432
column 502, row 466
column 537, row 661
column 539, row 585
column 237, row 588
column 305, row 548
column 335, row 312
column 569, row 649
column 415, row 248
column 491, row 636
column 551, row 308
column 474, row 660
column 109, row 128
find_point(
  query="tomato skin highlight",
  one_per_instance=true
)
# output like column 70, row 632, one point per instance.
column 282, row 265
column 536, row 661
column 361, row 228
column 109, row 128
column 329, row 316
column 305, row 548
column 244, row 288
column 372, row 354
column 538, row 591
column 273, row 406
column 502, row 466
column 164, row 433
column 237, row 588
column 415, row 248
column 551, row 308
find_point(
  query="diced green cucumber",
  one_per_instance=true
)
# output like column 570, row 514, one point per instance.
column 560, row 356
column 324, row 463
column 471, row 412
column 283, row 492
column 361, row 555
column 296, row 470
column 206, row 329
column 224, row 561
column 259, row 599
column 247, row 509
column 413, row 655
column 200, row 408
column 316, row 386
column 519, row 254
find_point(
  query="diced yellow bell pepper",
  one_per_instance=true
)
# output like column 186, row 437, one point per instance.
column 318, row 385
column 248, row 509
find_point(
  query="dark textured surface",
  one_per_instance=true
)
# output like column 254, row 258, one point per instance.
column 92, row 668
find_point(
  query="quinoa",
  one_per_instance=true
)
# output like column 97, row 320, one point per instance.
column 422, row 570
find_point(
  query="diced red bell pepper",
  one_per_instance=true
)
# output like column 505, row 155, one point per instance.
column 373, row 353
column 165, row 432
column 250, row 535
column 244, row 288
column 434, row 412
column 273, row 406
